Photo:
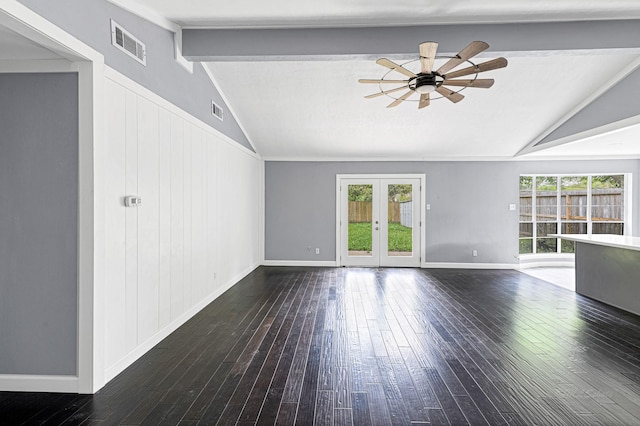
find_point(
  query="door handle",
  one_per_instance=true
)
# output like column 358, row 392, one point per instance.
column 376, row 228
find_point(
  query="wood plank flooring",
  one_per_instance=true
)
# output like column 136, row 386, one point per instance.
column 352, row 346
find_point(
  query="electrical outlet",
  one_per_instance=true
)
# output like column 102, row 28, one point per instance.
column 474, row 253
column 317, row 250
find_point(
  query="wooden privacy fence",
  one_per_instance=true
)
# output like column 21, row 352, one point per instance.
column 606, row 205
column 360, row 211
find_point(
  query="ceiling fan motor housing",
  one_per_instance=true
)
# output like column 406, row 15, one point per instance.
column 425, row 83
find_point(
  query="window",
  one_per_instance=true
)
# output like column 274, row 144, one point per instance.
column 568, row 204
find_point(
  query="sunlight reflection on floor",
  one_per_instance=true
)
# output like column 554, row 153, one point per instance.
column 560, row 276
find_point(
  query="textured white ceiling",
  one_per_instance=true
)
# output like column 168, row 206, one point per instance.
column 16, row 47
column 316, row 109
column 240, row 13
column 621, row 143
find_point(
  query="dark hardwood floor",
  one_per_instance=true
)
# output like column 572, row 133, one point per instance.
column 375, row 347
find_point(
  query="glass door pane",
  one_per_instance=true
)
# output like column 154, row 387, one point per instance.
column 400, row 220
column 360, row 231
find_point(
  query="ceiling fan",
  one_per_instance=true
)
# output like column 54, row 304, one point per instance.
column 427, row 80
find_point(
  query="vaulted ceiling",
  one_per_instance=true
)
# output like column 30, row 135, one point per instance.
column 289, row 72
column 16, row 47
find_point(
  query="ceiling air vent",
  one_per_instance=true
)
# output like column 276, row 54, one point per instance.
column 217, row 111
column 130, row 45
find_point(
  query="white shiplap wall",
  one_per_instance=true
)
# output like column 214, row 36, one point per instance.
column 197, row 231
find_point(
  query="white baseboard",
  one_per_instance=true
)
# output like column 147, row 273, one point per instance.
column 453, row 265
column 36, row 383
column 560, row 260
column 318, row 263
column 118, row 367
column 442, row 265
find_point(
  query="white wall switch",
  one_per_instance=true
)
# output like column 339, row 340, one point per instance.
column 132, row 201
column 428, row 206
column 512, row 207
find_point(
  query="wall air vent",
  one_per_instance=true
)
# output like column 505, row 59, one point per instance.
column 217, row 111
column 124, row 41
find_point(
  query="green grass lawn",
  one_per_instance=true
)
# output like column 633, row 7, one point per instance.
column 360, row 237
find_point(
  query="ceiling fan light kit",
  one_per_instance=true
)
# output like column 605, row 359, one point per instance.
column 427, row 81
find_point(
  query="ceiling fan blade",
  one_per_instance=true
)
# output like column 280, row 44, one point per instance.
column 493, row 64
column 450, row 94
column 375, row 95
column 400, row 99
column 392, row 65
column 428, row 51
column 370, row 81
column 424, row 101
column 483, row 83
column 465, row 54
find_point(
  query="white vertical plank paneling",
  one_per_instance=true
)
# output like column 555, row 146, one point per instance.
column 197, row 217
column 198, row 220
column 164, row 217
column 252, row 201
column 228, row 210
column 131, row 214
column 148, row 219
column 212, row 213
column 243, row 243
column 177, row 217
column 249, row 179
column 238, row 186
column 207, row 277
column 115, row 185
column 257, row 200
column 188, row 217
column 222, row 175
column 204, row 208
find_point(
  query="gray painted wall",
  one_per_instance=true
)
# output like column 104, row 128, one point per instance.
column 89, row 21
column 38, row 223
column 469, row 205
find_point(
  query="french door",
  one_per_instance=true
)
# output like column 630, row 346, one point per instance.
column 379, row 221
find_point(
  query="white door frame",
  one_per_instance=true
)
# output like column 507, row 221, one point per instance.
column 89, row 64
column 421, row 177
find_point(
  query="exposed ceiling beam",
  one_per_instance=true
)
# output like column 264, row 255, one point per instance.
column 366, row 42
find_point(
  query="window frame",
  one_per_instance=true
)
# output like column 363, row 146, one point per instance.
column 534, row 222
